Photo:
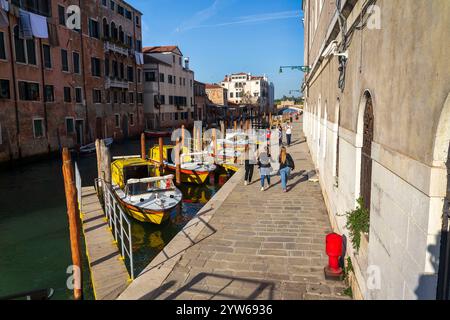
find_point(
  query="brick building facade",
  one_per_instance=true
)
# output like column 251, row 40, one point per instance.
column 74, row 86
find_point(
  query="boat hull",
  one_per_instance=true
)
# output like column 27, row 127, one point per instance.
column 143, row 215
column 190, row 176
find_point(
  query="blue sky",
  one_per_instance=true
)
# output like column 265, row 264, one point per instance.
column 226, row 36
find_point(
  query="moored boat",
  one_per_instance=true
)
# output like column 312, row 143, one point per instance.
column 145, row 197
column 90, row 148
column 157, row 134
column 191, row 170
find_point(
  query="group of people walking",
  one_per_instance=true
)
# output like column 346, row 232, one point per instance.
column 264, row 161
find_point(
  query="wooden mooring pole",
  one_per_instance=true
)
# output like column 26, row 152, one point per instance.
column 99, row 158
column 74, row 224
column 161, row 156
column 214, row 146
column 143, row 153
column 106, row 163
column 177, row 162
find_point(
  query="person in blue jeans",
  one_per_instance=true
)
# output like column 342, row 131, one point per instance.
column 264, row 168
column 286, row 165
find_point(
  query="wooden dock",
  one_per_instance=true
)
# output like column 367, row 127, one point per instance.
column 108, row 272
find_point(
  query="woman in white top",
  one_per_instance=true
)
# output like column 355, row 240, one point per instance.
column 288, row 133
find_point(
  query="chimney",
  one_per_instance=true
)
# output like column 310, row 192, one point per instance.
column 186, row 63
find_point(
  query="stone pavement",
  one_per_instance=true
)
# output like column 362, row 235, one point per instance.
column 257, row 244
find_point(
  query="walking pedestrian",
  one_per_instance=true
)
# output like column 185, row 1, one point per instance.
column 264, row 168
column 286, row 165
column 288, row 133
column 250, row 160
column 280, row 136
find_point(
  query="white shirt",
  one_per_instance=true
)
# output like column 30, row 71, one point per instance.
column 288, row 129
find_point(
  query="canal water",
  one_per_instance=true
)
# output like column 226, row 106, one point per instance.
column 34, row 233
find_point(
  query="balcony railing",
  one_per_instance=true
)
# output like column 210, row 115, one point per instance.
column 116, row 83
column 109, row 46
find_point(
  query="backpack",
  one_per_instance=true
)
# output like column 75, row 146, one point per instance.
column 290, row 162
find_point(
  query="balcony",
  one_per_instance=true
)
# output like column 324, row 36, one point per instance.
column 110, row 46
column 116, row 83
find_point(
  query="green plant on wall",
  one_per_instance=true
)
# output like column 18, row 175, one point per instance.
column 358, row 223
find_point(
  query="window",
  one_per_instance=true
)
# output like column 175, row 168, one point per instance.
column 28, row 91
column 169, row 78
column 67, row 97
column 112, row 5
column 174, row 80
column 97, row 96
column 163, row 99
column 181, row 81
column 31, row 52
column 2, row 46
column 47, row 56
column 62, row 15
column 121, row 35
column 137, row 20
column 104, row 3
column 76, row 62
column 128, row 14
column 19, row 46
column 120, row 10
column 49, row 95
column 170, row 99
column 184, row 82
column 94, row 29
column 41, row 7
column 179, row 60
column 115, row 97
column 64, row 60
column 106, row 67
column 115, row 69
column 139, row 75
column 70, row 128
column 231, row 94
column 140, row 98
column 95, row 67
column 131, row 117
column 130, row 41
column 117, row 120
column 108, row 96
column 4, row 89
column 150, row 76
column 78, row 95
column 176, row 115
column 130, row 72
column 131, row 97
column 38, row 128
column 173, row 58
column 105, row 29
column 138, row 45
column 122, row 70
column 124, row 97
column 161, row 77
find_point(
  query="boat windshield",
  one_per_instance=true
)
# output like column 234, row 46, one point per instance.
column 138, row 188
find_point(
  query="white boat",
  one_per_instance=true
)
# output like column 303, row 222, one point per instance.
column 89, row 148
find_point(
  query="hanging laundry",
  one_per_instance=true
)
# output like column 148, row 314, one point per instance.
column 4, row 5
column 4, row 21
column 38, row 25
column 25, row 25
column 53, row 38
column 139, row 57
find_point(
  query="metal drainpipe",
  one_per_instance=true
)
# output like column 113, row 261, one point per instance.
column 41, row 52
column 86, row 128
column 135, row 69
column 16, row 105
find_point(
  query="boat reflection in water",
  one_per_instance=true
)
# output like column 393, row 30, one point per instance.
column 150, row 239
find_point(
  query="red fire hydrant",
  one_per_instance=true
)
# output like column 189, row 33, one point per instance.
column 334, row 251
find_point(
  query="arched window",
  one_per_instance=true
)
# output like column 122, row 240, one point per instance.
column 113, row 31
column 337, row 117
column 121, row 35
column 366, row 152
column 105, row 29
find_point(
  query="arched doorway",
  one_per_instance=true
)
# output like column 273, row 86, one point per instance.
column 441, row 159
column 366, row 152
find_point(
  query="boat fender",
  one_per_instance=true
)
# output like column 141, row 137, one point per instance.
column 142, row 200
column 172, row 196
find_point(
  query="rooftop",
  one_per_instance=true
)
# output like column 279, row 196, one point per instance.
column 161, row 49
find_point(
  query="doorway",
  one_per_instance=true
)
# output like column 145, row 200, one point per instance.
column 99, row 128
column 79, row 129
column 366, row 153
